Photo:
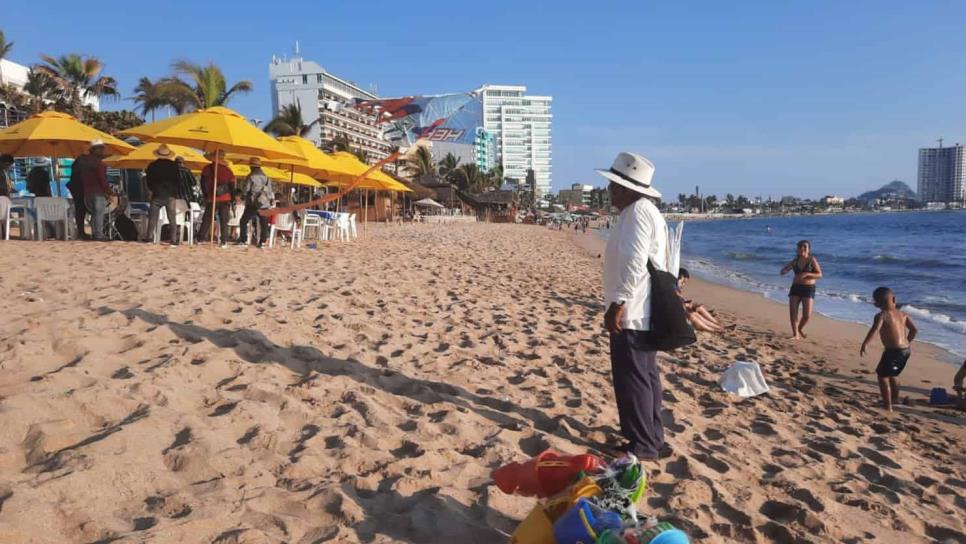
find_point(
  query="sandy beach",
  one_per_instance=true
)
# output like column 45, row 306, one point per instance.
column 363, row 392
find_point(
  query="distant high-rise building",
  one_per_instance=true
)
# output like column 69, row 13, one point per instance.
column 942, row 174
column 520, row 126
column 326, row 100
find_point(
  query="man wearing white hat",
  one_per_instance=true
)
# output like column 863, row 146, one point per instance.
column 639, row 236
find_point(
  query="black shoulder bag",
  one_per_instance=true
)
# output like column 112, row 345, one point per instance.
column 670, row 328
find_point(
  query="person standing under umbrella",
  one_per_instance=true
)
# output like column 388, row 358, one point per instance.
column 38, row 179
column 188, row 184
column 223, row 197
column 91, row 173
column 257, row 190
column 162, row 178
column 6, row 161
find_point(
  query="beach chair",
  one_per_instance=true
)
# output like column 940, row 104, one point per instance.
column 183, row 220
column 7, row 211
column 138, row 212
column 234, row 222
column 341, row 226
column 352, row 226
column 285, row 222
column 197, row 213
column 51, row 209
column 313, row 223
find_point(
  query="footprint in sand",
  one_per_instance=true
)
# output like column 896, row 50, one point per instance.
column 223, row 409
column 251, row 433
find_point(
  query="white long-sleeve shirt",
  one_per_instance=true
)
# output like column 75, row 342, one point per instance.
column 640, row 234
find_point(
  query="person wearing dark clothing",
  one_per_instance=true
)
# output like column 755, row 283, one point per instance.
column 91, row 174
column 76, row 189
column 223, row 197
column 38, row 180
column 188, row 184
column 257, row 190
column 163, row 180
column 639, row 237
column 6, row 161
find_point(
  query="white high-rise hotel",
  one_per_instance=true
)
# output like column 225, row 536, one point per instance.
column 942, row 174
column 520, row 125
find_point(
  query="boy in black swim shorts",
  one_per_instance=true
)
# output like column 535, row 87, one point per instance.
column 896, row 331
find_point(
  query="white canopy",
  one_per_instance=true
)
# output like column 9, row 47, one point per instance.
column 428, row 203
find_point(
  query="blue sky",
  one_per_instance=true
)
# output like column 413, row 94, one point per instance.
column 755, row 97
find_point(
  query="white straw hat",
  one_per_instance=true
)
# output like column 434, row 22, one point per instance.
column 632, row 171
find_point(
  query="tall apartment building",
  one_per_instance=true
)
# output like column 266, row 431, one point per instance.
column 520, row 126
column 329, row 99
column 942, row 174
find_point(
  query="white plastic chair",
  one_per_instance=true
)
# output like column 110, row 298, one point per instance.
column 184, row 219
column 352, row 226
column 51, row 209
column 341, row 225
column 234, row 222
column 7, row 210
column 314, row 223
column 285, row 222
column 197, row 214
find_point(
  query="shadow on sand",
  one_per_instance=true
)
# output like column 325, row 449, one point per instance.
column 477, row 523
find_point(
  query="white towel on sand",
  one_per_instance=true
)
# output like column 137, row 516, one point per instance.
column 744, row 379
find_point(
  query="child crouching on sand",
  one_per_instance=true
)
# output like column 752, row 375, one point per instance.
column 896, row 331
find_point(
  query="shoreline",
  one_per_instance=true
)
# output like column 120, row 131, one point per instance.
column 830, row 338
column 671, row 216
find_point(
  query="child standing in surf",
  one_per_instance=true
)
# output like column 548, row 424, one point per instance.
column 802, row 293
column 897, row 331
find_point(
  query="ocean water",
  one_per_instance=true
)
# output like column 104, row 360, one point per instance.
column 920, row 255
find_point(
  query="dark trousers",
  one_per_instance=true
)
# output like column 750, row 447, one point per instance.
column 223, row 209
column 637, row 386
column 80, row 210
column 251, row 212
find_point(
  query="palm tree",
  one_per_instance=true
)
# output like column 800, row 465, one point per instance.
column 5, row 48
column 495, row 176
column 289, row 122
column 77, row 77
column 448, row 165
column 41, row 89
column 421, row 163
column 468, row 177
column 148, row 97
column 339, row 143
column 202, row 87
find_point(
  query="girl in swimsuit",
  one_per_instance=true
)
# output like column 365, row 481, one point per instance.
column 807, row 272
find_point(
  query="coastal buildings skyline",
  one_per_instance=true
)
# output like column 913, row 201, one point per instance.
column 521, row 127
column 494, row 125
column 326, row 102
column 942, row 174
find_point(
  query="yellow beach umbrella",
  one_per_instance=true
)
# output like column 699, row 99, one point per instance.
column 311, row 160
column 276, row 174
column 55, row 134
column 377, row 180
column 212, row 129
column 143, row 155
column 215, row 130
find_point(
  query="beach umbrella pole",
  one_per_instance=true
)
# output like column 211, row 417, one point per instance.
column 214, row 189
